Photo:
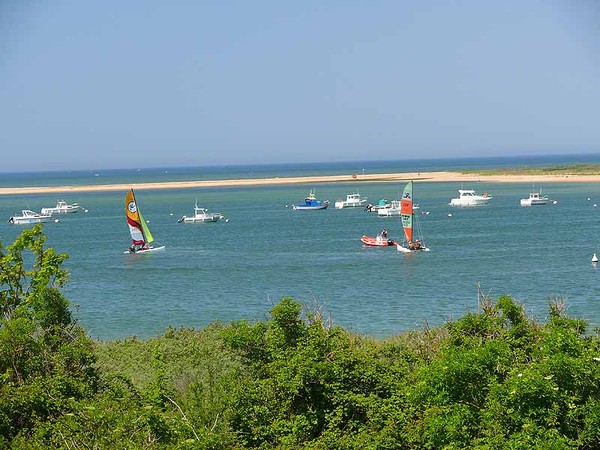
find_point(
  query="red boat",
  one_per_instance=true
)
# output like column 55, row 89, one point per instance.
column 378, row 241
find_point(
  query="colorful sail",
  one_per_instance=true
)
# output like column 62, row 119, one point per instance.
column 140, row 234
column 145, row 229
column 406, row 211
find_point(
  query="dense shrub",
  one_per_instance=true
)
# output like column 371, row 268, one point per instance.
column 492, row 379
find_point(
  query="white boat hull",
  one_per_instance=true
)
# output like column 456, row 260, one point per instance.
column 148, row 250
column 526, row 202
column 186, row 219
column 403, row 249
column 60, row 210
column 18, row 221
column 469, row 203
column 343, row 204
column 29, row 217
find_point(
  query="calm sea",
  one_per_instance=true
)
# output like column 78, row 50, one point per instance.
column 238, row 269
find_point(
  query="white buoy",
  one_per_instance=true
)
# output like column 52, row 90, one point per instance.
column 56, row 220
column 449, row 214
column 594, row 258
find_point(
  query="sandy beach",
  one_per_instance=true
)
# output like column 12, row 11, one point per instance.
column 371, row 178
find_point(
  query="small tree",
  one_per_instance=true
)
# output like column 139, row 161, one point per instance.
column 45, row 358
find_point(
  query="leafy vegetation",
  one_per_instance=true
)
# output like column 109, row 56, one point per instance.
column 492, row 379
column 563, row 169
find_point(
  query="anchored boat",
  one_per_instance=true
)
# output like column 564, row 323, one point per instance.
column 138, row 228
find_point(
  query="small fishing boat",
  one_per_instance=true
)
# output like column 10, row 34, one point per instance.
column 28, row 216
column 468, row 197
column 311, row 203
column 138, row 228
column 62, row 208
column 201, row 215
column 382, row 204
column 352, row 201
column 413, row 241
column 394, row 209
column 535, row 198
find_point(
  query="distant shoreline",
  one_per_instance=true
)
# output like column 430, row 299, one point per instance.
column 357, row 178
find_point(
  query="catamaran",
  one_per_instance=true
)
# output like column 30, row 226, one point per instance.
column 413, row 242
column 140, row 233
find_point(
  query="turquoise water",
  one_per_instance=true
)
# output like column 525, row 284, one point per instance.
column 239, row 269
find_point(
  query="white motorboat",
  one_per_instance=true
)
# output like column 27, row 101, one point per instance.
column 394, row 210
column 28, row 216
column 352, row 201
column 535, row 198
column 62, row 208
column 468, row 197
column 201, row 215
column 382, row 204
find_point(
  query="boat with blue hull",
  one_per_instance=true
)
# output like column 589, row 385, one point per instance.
column 311, row 203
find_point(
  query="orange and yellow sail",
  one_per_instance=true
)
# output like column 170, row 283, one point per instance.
column 140, row 233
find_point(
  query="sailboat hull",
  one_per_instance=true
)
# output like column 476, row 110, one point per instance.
column 148, row 250
column 403, row 249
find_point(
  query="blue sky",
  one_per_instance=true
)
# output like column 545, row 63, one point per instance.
column 118, row 84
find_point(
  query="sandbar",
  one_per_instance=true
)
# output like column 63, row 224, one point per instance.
column 350, row 178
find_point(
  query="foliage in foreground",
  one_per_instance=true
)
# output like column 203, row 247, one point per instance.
column 491, row 380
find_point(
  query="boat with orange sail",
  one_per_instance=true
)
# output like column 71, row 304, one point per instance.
column 413, row 239
column 138, row 228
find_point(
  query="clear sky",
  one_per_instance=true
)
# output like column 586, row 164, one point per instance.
column 141, row 83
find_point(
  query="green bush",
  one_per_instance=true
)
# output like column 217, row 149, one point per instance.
column 493, row 379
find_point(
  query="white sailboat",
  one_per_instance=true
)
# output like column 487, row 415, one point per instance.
column 413, row 241
column 140, row 233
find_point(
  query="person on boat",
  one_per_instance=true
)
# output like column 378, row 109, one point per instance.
column 383, row 233
column 415, row 245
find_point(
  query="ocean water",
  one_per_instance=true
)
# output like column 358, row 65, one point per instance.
column 238, row 269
